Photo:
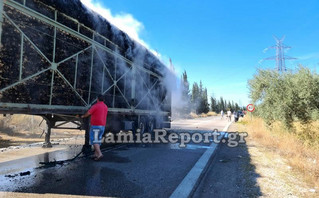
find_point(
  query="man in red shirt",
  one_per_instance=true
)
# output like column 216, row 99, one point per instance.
column 98, row 113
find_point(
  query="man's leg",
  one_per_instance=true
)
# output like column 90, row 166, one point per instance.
column 93, row 139
column 98, row 137
column 97, row 150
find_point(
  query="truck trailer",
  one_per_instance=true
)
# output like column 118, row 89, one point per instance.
column 57, row 56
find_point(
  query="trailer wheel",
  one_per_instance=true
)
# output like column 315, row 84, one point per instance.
column 150, row 125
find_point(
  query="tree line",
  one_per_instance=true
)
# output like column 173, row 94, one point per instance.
column 196, row 99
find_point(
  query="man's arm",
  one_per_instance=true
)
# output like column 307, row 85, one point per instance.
column 87, row 114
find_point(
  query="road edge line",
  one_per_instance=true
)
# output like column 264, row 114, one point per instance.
column 190, row 182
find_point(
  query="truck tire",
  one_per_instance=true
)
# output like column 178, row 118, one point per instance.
column 142, row 126
column 150, row 125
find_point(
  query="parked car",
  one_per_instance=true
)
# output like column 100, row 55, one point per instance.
column 238, row 114
column 241, row 113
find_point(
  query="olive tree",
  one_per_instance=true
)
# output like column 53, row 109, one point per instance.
column 286, row 96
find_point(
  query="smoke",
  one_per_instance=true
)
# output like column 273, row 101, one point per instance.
column 152, row 99
column 124, row 21
column 175, row 86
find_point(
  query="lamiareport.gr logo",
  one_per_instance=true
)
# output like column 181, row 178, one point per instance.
column 231, row 139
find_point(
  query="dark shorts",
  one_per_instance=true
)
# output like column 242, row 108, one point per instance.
column 96, row 133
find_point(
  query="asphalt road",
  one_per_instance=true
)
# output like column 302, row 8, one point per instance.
column 131, row 170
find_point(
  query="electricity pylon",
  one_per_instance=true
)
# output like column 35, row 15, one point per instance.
column 280, row 54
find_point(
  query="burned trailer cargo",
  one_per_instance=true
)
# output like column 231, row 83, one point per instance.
column 57, row 56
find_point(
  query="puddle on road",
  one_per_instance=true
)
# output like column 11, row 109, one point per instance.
column 23, row 164
column 16, row 174
column 83, row 177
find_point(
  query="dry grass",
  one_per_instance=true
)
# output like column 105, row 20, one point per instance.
column 22, row 123
column 203, row 115
column 299, row 147
column 193, row 115
column 17, row 130
column 211, row 113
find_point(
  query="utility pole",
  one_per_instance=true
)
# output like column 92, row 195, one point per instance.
column 280, row 54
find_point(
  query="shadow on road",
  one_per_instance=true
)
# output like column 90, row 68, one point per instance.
column 231, row 174
column 113, row 157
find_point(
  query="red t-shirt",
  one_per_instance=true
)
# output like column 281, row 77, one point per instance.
column 98, row 114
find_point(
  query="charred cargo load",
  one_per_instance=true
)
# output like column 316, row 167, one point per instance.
column 57, row 56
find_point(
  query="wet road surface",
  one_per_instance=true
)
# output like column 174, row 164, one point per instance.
column 132, row 170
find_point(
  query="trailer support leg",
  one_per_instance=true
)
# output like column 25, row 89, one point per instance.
column 47, row 143
column 86, row 147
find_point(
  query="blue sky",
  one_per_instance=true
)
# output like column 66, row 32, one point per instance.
column 221, row 42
